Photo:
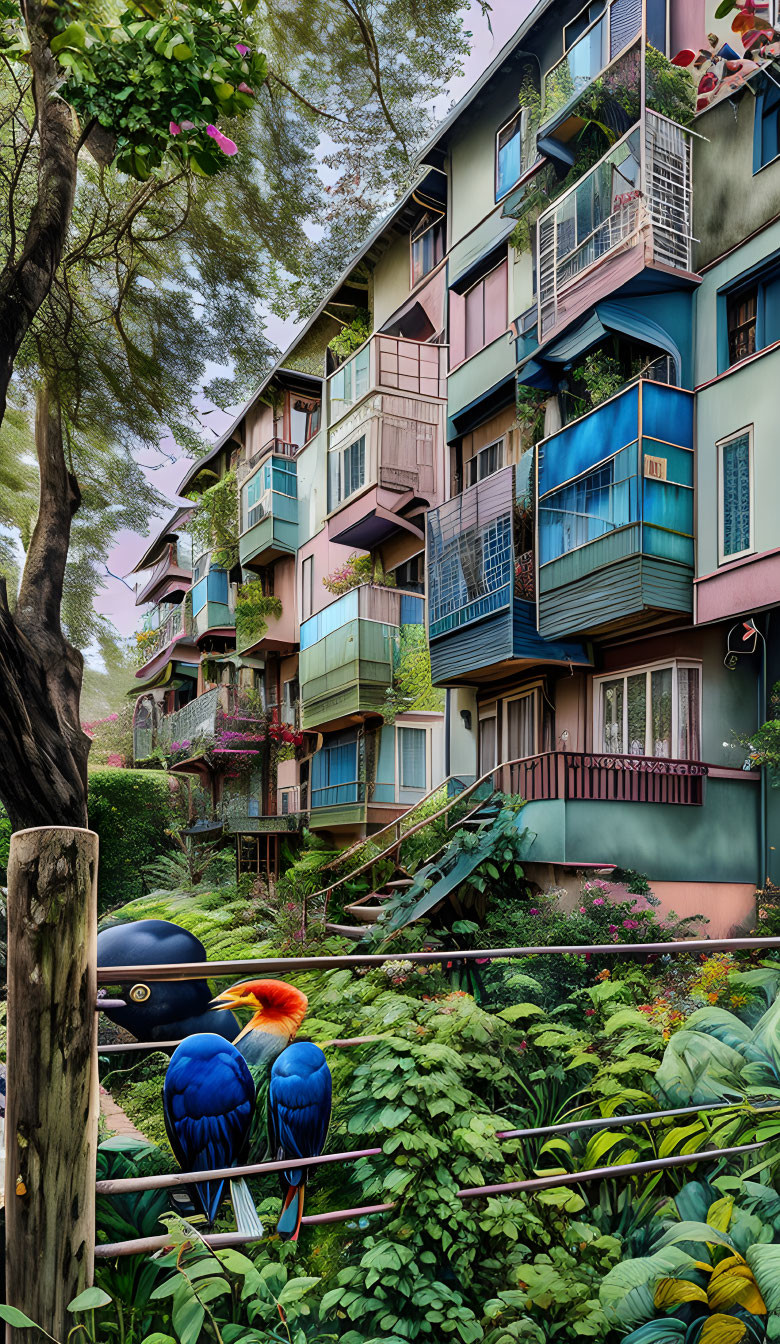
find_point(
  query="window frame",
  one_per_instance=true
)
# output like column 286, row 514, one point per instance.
column 496, row 443
column 481, row 282
column 412, row 728
column 567, row 45
column 437, row 220
column 520, row 117
column 733, row 298
column 597, row 718
column 307, row 587
column 340, row 453
column 720, row 444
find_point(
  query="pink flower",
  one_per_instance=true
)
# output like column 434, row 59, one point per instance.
column 583, row 911
column 599, row 900
column 590, row 1012
column 613, row 928
column 630, row 924
column 241, row 49
column 227, row 145
column 533, row 911
column 244, row 88
column 174, row 128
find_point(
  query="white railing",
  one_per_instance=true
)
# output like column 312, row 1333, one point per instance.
column 649, row 201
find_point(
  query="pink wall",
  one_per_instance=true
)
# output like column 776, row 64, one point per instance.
column 327, row 556
column 730, row 907
column 748, row 585
column 688, row 24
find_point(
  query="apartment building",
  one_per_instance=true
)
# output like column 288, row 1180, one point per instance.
column 546, row 464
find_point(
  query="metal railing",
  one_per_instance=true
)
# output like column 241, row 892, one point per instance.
column 177, row 625
column 279, row 447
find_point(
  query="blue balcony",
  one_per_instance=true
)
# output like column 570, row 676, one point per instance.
column 481, row 608
column 269, row 513
column 615, row 518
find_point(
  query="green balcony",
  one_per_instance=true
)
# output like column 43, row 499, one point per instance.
column 269, row 512
column 347, row 653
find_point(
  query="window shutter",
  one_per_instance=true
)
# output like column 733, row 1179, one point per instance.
column 496, row 302
column 457, row 328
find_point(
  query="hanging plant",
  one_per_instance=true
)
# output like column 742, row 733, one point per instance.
column 412, row 687
column 358, row 569
column 352, row 335
column 214, row 525
column 253, row 607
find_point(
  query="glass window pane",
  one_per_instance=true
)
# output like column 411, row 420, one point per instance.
column 661, row 711
column 520, row 727
column 508, row 167
column 735, row 457
column 637, row 714
column 688, row 728
column 612, row 716
column 412, row 757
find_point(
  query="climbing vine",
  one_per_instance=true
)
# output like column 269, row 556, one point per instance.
column 253, row 607
column 352, row 335
column 355, row 571
column 215, row 523
column 412, row 688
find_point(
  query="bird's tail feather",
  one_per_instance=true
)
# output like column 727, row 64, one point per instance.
column 289, row 1224
column 247, row 1221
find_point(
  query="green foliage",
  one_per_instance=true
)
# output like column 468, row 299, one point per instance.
column 253, row 607
column 669, row 88
column 352, row 335
column 132, row 812
column 412, row 687
column 214, row 526
column 148, row 67
column 530, row 411
column 357, row 570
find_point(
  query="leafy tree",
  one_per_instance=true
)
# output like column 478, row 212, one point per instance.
column 123, row 271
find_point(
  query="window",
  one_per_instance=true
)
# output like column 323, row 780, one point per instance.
column 411, row 758
column 742, row 311
column 304, row 420
column 521, row 726
column 574, row 30
column 479, row 315
column 487, row 461
column 410, row 576
column 347, row 471
column 255, row 501
column 582, row 511
column 427, row 245
column 735, row 495
column 651, row 712
column 509, row 155
column 307, row 587
column 349, row 383
column 334, row 773
column 766, row 133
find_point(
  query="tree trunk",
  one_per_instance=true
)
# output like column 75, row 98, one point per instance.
column 53, row 1099
column 42, row 746
column 26, row 279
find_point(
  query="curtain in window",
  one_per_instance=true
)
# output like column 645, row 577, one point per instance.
column 521, row 724
column 688, row 730
column 412, row 758
column 637, row 714
column 661, row 711
column 612, row 716
column 487, row 745
column 736, row 495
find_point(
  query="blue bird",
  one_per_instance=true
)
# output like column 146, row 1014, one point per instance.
column 208, row 1104
column 299, row 1107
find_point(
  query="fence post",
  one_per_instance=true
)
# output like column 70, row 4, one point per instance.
column 53, row 1095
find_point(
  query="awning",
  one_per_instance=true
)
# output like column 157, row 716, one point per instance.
column 606, row 319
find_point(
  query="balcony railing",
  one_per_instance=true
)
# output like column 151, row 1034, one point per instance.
column 625, row 200
column 177, row 625
column 392, row 363
column 606, row 37
column 583, row 776
column 278, row 446
column 194, row 723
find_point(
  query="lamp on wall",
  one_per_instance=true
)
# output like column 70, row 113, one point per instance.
column 465, row 714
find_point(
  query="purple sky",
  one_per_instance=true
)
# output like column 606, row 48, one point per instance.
column 117, row 601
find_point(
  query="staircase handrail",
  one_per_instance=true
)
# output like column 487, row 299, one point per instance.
column 395, row 825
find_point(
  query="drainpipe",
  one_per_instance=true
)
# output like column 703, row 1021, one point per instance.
column 762, row 712
column 447, row 717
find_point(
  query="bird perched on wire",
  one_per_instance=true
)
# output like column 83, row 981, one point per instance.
column 294, row 1084
column 208, row 1105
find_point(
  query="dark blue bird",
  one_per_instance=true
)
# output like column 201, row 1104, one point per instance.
column 161, row 1010
column 299, row 1106
column 208, row 1103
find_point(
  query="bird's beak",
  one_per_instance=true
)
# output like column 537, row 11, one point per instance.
column 236, row 997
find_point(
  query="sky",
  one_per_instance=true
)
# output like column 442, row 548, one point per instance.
column 117, row 600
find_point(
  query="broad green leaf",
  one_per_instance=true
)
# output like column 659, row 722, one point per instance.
column 765, row 1264
column 518, row 1010
column 13, row 1316
column 89, row 1300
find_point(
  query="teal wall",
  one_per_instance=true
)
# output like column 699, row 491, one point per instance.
column 718, row 842
column 729, row 201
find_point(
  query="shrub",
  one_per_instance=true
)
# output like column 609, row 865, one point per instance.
column 132, row 811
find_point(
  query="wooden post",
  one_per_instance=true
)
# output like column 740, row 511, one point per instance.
column 52, row 1085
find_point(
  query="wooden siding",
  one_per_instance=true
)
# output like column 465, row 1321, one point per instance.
column 623, row 589
column 474, row 646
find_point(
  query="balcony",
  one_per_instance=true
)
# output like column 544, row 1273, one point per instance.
column 614, row 30
column 269, row 511
column 213, row 606
column 194, row 725
column 630, row 211
column 347, row 654
column 392, row 364
column 680, row 821
column 480, row 573
column 278, row 447
column 615, row 541
column 168, row 581
column 162, row 631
